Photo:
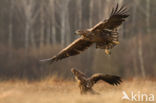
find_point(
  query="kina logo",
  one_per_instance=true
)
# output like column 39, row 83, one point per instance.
column 138, row 96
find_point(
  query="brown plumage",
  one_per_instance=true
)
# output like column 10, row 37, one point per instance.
column 86, row 84
column 104, row 35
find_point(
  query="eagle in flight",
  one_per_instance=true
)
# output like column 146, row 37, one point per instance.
column 104, row 34
column 86, row 83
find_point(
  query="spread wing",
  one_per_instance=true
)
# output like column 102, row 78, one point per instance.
column 116, row 18
column 75, row 48
column 111, row 79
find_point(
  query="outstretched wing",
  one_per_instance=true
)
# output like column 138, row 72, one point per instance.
column 74, row 48
column 116, row 18
column 111, row 79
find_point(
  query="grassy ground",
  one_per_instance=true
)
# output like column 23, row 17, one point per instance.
column 59, row 91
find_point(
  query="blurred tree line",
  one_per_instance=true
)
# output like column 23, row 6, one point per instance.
column 31, row 30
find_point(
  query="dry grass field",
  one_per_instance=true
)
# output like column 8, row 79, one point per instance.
column 66, row 91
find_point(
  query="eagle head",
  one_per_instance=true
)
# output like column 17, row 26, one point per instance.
column 80, row 32
column 74, row 71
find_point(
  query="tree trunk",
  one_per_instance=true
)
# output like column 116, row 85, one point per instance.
column 27, row 29
column 63, row 28
column 52, row 2
column 100, row 10
column 68, row 33
column 32, row 39
column 148, row 16
column 27, row 7
column 42, row 25
column 91, row 13
column 63, row 21
column 48, row 34
column 10, row 28
column 140, row 53
column 80, row 12
column 134, row 46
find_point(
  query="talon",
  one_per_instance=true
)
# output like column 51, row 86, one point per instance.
column 116, row 42
column 107, row 52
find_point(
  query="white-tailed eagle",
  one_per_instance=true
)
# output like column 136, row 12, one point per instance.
column 86, row 83
column 105, row 35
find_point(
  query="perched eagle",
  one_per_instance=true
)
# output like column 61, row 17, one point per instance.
column 86, row 84
column 104, row 35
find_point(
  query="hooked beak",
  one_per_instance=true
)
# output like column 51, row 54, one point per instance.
column 72, row 70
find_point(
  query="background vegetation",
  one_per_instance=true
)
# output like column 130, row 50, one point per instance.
column 31, row 30
column 50, row 91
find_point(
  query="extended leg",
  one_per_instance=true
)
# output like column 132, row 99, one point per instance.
column 107, row 51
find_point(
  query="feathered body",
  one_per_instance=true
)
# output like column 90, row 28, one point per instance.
column 105, row 35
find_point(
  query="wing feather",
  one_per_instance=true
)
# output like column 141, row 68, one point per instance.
column 111, row 79
column 76, row 47
column 116, row 18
